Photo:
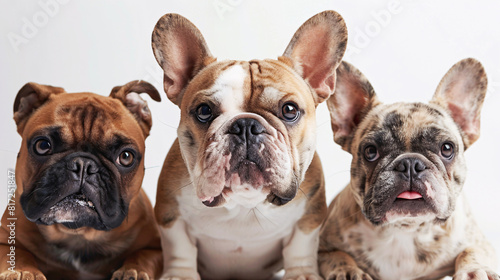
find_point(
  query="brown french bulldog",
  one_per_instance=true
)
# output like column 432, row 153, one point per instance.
column 80, row 211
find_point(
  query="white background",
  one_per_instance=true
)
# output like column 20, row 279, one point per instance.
column 403, row 47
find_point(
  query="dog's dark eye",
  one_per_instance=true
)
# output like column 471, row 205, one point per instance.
column 42, row 147
column 371, row 153
column 204, row 113
column 290, row 112
column 447, row 150
column 126, row 159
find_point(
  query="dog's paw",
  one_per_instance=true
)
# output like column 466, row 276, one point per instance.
column 348, row 273
column 24, row 274
column 477, row 273
column 129, row 274
column 179, row 273
column 301, row 273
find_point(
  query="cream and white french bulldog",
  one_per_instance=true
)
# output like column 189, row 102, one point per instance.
column 241, row 193
column 403, row 215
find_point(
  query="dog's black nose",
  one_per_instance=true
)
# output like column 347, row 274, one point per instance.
column 410, row 167
column 247, row 129
column 82, row 166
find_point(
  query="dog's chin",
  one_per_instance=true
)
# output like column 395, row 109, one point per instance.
column 248, row 187
column 244, row 179
column 408, row 218
column 73, row 212
column 407, row 213
column 245, row 187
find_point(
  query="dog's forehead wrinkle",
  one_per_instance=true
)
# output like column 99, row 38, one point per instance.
column 86, row 122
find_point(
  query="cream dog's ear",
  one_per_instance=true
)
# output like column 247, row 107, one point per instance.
column 316, row 50
column 353, row 98
column 29, row 98
column 181, row 51
column 461, row 92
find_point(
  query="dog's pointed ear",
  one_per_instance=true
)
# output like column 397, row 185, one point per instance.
column 316, row 50
column 461, row 92
column 29, row 98
column 128, row 94
column 181, row 51
column 353, row 98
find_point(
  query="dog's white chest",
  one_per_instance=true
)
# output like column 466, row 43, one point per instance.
column 395, row 257
column 237, row 241
column 398, row 254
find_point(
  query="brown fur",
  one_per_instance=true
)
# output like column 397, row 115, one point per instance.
column 129, row 251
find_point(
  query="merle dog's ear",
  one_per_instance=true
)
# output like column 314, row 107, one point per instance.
column 353, row 98
column 181, row 51
column 461, row 92
column 128, row 94
column 316, row 50
column 29, row 98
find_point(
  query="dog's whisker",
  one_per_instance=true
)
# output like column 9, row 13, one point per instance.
column 338, row 172
column 181, row 187
column 267, row 218
column 302, row 191
column 256, row 218
column 154, row 166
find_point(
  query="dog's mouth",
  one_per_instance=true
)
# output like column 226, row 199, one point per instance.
column 243, row 181
column 78, row 198
column 216, row 200
column 410, row 201
column 225, row 196
column 407, row 207
column 421, row 200
column 74, row 202
column 73, row 211
column 410, row 195
column 247, row 185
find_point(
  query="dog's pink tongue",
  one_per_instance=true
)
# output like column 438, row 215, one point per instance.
column 410, row 195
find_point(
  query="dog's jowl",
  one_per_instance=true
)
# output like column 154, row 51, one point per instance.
column 403, row 214
column 80, row 210
column 241, row 193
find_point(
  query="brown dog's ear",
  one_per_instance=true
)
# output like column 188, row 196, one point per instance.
column 317, row 49
column 181, row 51
column 353, row 98
column 461, row 92
column 29, row 98
column 128, row 94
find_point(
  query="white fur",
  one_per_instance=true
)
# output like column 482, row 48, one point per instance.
column 237, row 241
column 179, row 251
column 300, row 253
column 228, row 88
column 387, row 246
